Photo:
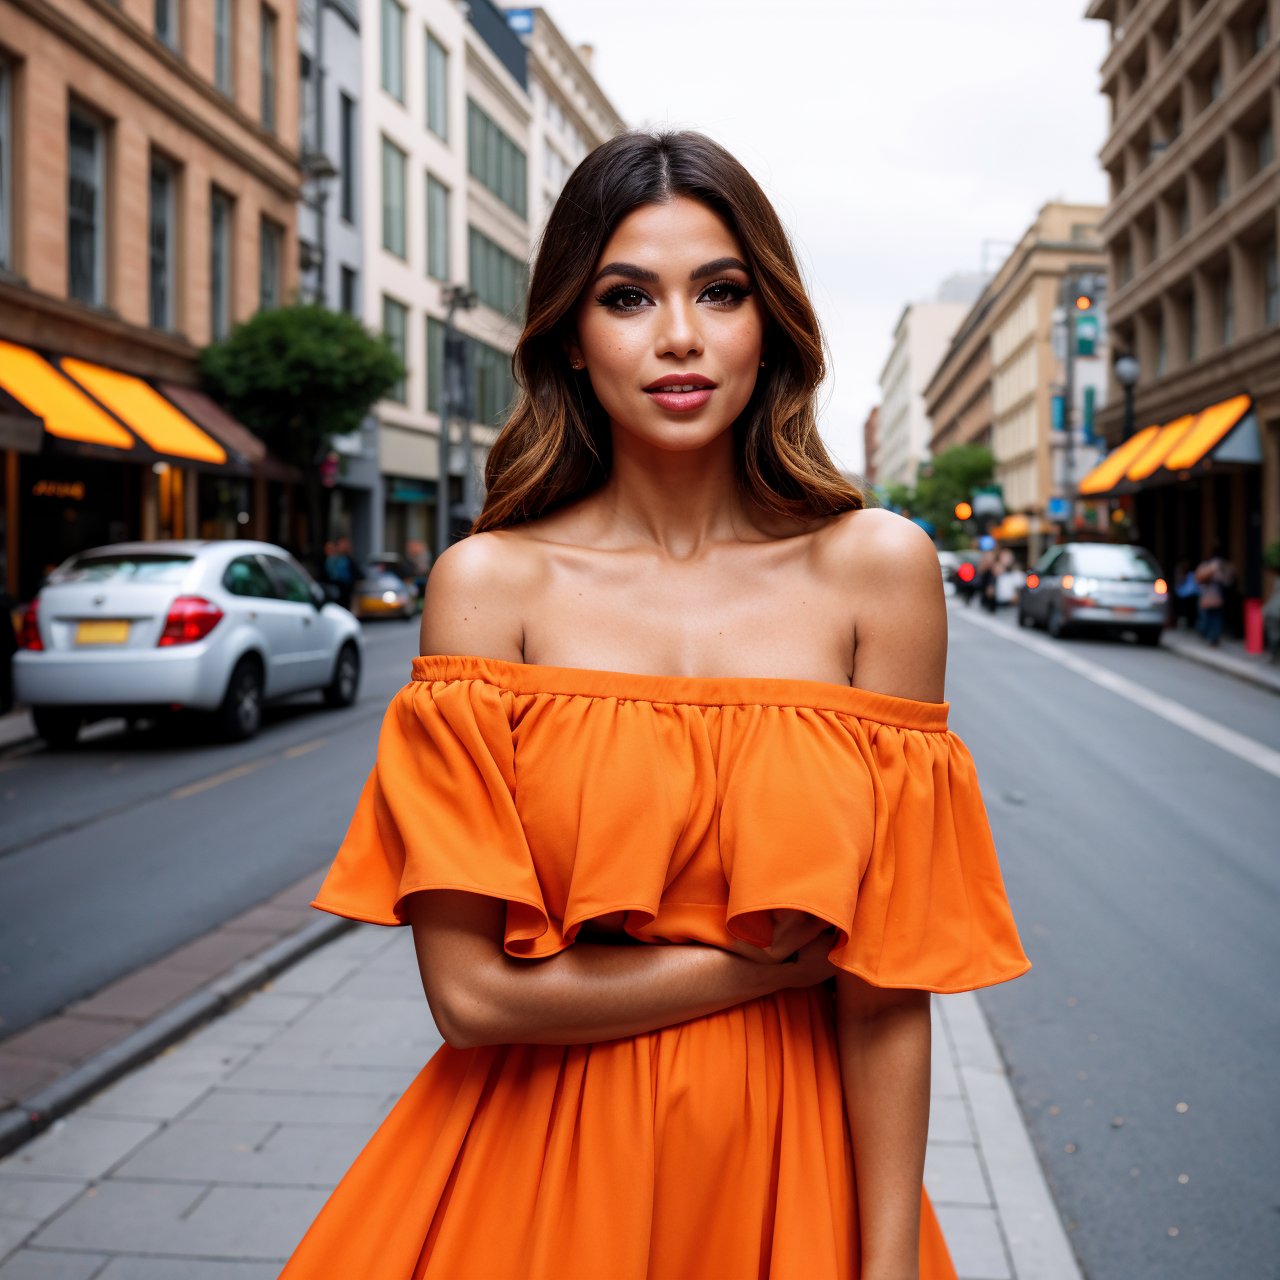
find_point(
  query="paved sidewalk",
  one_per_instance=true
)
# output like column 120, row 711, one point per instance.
column 1229, row 657
column 210, row 1162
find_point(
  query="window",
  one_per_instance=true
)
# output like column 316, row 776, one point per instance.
column 393, row 49
column 291, row 583
column 1215, row 84
column 6, row 174
column 437, row 229
column 270, row 256
column 1221, row 187
column 394, row 163
column 347, row 158
column 495, row 161
column 267, row 68
column 494, row 384
column 1271, row 285
column 245, row 576
column 308, row 123
column 1227, row 302
column 1162, row 349
column 1193, row 327
column 498, row 277
column 162, row 225
column 437, row 88
column 223, row 46
column 221, row 214
column 86, row 209
column 166, row 23
column 435, row 364
column 395, row 323
column 1265, row 146
column 1261, row 32
column 349, row 290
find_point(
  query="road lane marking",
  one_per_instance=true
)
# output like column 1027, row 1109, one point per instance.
column 292, row 753
column 1240, row 745
column 215, row 780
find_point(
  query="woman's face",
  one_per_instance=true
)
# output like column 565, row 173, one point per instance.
column 669, row 329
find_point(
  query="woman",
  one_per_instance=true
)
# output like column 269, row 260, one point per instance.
column 678, row 690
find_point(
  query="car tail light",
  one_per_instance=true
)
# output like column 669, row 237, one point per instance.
column 191, row 618
column 1160, row 587
column 1033, row 580
column 29, row 631
column 1068, row 582
column 965, row 572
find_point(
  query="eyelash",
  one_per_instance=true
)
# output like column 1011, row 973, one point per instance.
column 612, row 297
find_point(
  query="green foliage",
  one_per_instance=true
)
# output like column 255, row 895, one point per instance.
column 1271, row 556
column 953, row 476
column 297, row 376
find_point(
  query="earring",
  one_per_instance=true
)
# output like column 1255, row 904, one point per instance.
column 575, row 364
column 762, row 364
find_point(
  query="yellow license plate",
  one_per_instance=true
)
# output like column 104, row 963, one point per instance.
column 102, row 632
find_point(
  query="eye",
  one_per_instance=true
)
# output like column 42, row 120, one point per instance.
column 726, row 293
column 623, row 297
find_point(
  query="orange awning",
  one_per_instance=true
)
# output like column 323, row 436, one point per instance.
column 67, row 412
column 1164, row 452
column 147, row 412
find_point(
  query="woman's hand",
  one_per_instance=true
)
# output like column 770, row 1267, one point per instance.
column 792, row 930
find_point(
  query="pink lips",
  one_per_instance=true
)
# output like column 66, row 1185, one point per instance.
column 681, row 392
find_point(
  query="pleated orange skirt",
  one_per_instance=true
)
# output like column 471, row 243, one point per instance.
column 716, row 1149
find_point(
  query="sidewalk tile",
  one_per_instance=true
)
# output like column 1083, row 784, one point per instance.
column 232, row 1106
column 187, row 1220
column 67, row 1039
column 271, row 919
column 237, row 1153
column 973, row 1236
column 142, row 994
column 187, row 1269
column 215, row 953
column 315, row 976
column 370, row 1081
column 82, row 1146
column 21, row 1077
column 949, row 1120
column 270, row 1006
column 41, row 1264
column 26, row 1203
column 954, row 1175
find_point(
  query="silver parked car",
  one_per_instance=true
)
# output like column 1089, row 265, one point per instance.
column 142, row 627
column 1096, row 586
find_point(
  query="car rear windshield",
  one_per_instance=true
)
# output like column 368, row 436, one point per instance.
column 124, row 568
column 1105, row 560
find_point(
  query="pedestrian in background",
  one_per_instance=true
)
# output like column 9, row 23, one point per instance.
column 1186, row 596
column 1214, row 576
column 682, row 860
column 340, row 568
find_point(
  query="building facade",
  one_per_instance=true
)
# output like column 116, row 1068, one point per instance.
column 999, row 380
column 1191, row 236
column 148, row 177
column 330, row 221
column 571, row 113
column 919, row 340
column 870, row 434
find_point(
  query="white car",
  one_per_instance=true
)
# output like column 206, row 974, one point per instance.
column 142, row 627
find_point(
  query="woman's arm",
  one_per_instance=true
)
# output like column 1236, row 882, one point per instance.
column 479, row 995
column 900, row 630
column 884, row 1062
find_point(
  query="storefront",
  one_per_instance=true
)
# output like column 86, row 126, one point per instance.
column 1186, row 487
column 109, row 457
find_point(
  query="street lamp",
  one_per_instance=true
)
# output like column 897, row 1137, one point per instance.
column 1127, row 371
column 453, row 400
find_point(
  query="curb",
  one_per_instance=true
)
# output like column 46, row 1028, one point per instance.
column 21, row 1123
column 1227, row 666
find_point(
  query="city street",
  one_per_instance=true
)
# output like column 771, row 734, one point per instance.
column 1132, row 794
column 116, row 853
column 1140, row 859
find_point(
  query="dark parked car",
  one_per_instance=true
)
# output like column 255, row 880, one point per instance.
column 1096, row 586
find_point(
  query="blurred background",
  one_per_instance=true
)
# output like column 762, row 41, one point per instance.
column 262, row 268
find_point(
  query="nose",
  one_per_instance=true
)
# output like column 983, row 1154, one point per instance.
column 679, row 334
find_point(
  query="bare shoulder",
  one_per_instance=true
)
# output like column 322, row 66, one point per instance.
column 889, row 567
column 476, row 597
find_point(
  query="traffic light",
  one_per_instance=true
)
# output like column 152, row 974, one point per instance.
column 964, row 511
column 1084, row 302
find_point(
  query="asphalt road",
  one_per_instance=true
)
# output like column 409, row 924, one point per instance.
column 141, row 841
column 1141, row 859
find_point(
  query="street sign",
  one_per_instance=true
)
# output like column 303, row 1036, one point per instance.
column 1086, row 334
column 1058, row 411
column 1057, row 508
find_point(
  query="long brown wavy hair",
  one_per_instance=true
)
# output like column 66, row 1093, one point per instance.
column 556, row 445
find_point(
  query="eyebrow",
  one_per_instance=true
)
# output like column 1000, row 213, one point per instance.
column 630, row 271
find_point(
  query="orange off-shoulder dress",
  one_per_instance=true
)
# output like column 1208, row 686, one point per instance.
column 715, row 1149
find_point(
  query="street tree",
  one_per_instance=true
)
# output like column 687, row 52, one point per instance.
column 953, row 476
column 299, row 376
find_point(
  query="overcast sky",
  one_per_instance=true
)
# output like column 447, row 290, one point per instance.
column 894, row 136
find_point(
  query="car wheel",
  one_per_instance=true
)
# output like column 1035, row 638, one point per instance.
column 341, row 690
column 1025, row 619
column 240, row 715
column 1149, row 636
column 1055, row 626
column 58, row 726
